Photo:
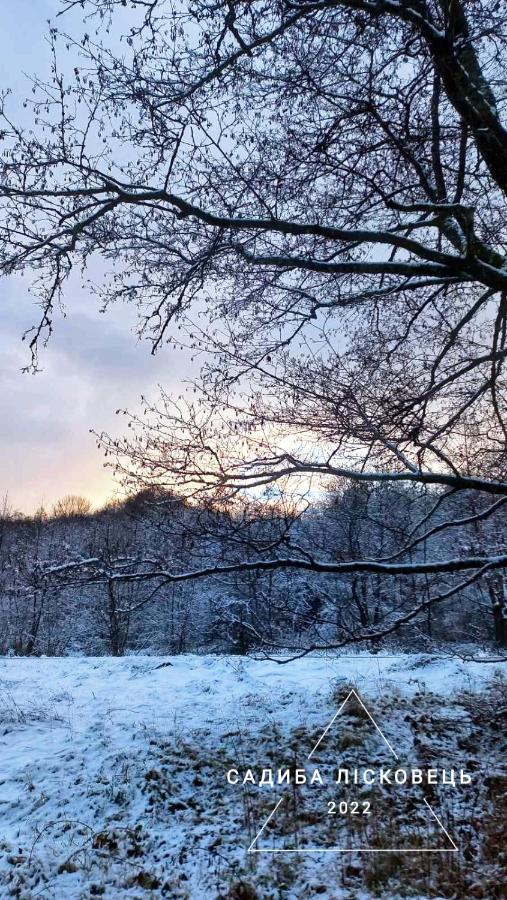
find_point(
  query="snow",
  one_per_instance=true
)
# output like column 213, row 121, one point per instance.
column 78, row 736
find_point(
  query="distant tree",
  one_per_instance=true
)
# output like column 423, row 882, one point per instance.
column 70, row 506
column 326, row 179
column 40, row 513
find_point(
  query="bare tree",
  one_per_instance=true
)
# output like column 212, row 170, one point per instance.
column 71, row 506
column 327, row 181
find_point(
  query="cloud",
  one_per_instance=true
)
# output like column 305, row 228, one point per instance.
column 94, row 363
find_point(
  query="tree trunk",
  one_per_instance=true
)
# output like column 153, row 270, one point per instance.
column 500, row 614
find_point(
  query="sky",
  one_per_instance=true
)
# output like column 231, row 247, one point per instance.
column 94, row 362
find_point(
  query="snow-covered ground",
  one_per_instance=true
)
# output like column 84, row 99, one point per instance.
column 107, row 764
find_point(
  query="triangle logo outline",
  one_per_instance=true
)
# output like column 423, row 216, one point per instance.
column 256, row 849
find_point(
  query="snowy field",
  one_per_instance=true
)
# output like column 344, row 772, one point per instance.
column 112, row 778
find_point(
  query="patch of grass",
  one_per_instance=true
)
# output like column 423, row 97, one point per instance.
column 242, row 890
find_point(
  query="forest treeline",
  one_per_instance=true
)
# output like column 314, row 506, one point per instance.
column 120, row 579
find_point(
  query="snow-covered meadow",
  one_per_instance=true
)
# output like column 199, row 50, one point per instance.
column 112, row 778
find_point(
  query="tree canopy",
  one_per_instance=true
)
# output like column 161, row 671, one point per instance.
column 312, row 194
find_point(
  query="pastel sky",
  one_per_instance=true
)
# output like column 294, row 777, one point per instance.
column 94, row 362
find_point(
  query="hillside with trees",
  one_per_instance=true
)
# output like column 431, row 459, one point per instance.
column 123, row 579
column 310, row 197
